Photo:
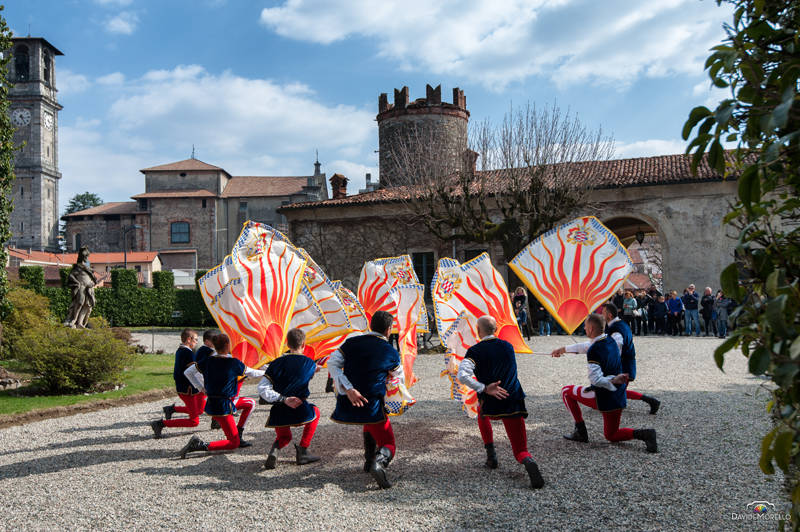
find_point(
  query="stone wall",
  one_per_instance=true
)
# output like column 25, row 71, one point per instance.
column 213, row 181
column 103, row 234
column 202, row 228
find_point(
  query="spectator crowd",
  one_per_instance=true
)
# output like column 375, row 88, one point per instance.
column 645, row 311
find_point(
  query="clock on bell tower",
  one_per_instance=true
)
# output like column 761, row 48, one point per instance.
column 33, row 112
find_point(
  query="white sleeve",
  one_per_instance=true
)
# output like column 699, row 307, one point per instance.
column 466, row 376
column 597, row 378
column 266, row 391
column 618, row 338
column 582, row 347
column 398, row 373
column 250, row 372
column 195, row 377
column 335, row 365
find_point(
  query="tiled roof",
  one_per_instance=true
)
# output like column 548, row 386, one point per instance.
column 201, row 193
column 67, row 259
column 113, row 207
column 188, row 164
column 244, row 186
column 642, row 171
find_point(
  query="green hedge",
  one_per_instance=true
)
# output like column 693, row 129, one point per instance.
column 32, row 278
column 125, row 304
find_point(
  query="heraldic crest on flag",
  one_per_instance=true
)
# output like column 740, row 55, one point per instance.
column 573, row 268
column 378, row 277
column 252, row 293
column 457, row 339
column 477, row 289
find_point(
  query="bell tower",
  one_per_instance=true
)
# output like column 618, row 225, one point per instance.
column 34, row 115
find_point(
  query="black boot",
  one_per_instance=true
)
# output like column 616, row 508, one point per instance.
column 168, row 411
column 329, row 385
column 491, row 456
column 215, row 424
column 533, row 472
column 369, row 451
column 243, row 443
column 303, row 457
column 653, row 402
column 648, row 436
column 579, row 434
column 378, row 467
column 195, row 444
column 157, row 427
column 272, row 457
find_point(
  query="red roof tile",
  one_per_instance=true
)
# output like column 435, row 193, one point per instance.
column 642, row 171
column 112, row 207
column 68, row 259
column 249, row 186
column 202, row 193
column 188, row 164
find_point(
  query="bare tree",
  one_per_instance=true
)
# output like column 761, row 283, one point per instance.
column 535, row 169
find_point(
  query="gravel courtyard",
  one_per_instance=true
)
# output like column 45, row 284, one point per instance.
column 104, row 470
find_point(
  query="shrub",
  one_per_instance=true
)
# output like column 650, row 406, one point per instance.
column 193, row 311
column 32, row 277
column 64, row 274
column 29, row 310
column 68, row 360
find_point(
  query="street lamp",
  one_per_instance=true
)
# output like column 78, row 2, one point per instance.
column 125, row 231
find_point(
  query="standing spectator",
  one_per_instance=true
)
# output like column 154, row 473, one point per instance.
column 629, row 307
column 657, row 312
column 642, row 302
column 543, row 317
column 722, row 306
column 520, row 294
column 707, row 311
column 652, row 300
column 619, row 300
column 691, row 302
column 522, row 319
column 675, row 306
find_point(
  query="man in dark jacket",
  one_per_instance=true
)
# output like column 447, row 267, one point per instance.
column 691, row 303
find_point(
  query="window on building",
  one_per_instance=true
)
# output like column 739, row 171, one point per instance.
column 179, row 232
column 204, row 203
column 142, row 204
column 48, row 66
column 138, row 268
column 470, row 254
column 243, row 206
column 77, row 242
column 22, row 63
column 21, row 192
column 424, row 267
column 22, row 227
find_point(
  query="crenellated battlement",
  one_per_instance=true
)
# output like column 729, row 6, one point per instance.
column 431, row 104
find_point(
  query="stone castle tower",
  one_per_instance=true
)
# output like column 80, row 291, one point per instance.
column 34, row 115
column 440, row 126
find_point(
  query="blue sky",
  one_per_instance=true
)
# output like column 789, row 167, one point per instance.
column 258, row 86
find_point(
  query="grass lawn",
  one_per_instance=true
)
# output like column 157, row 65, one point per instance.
column 151, row 372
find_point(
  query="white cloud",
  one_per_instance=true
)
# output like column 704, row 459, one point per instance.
column 567, row 41
column 247, row 126
column 69, row 82
column 649, row 148
column 124, row 23
column 115, row 78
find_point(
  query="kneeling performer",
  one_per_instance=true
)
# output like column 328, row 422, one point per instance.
column 221, row 373
column 607, row 390
column 285, row 384
column 490, row 368
column 359, row 369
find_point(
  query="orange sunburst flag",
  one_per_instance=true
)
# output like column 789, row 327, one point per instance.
column 573, row 268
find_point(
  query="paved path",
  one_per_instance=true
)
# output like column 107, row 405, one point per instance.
column 103, row 470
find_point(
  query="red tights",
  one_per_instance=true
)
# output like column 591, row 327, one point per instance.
column 284, row 434
column 634, row 396
column 194, row 407
column 572, row 395
column 246, row 405
column 383, row 434
column 515, row 429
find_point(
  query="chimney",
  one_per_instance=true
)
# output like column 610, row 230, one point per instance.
column 369, row 179
column 338, row 186
column 471, row 160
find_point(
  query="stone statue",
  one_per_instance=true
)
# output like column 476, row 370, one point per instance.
column 81, row 283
